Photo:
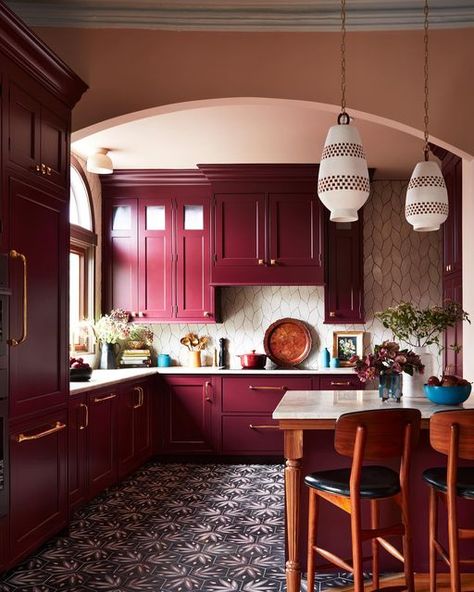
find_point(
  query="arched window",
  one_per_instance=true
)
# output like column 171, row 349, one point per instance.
column 83, row 241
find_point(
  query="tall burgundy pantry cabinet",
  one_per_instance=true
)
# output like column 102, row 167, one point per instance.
column 38, row 92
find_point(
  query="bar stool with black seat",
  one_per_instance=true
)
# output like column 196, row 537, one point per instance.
column 452, row 434
column 367, row 435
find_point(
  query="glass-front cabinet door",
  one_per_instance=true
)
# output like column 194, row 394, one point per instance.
column 194, row 295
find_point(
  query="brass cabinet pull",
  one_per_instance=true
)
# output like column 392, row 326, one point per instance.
column 143, row 397
column 43, row 168
column 267, row 388
column 48, row 171
column 263, row 427
column 273, row 262
column 348, row 383
column 37, row 168
column 16, row 255
column 58, row 426
column 102, row 399
column 207, row 314
column 261, row 262
column 140, row 397
column 86, row 416
column 207, row 390
column 332, row 314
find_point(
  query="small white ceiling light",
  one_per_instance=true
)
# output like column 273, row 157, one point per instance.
column 100, row 163
column 426, row 205
column 343, row 181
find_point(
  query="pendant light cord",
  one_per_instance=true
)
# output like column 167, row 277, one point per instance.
column 426, row 120
column 343, row 117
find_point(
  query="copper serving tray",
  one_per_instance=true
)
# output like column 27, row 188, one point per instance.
column 287, row 342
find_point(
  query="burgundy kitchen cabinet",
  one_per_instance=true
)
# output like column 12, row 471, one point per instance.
column 38, row 481
column 188, row 409
column 157, row 252
column 122, row 255
column 340, row 382
column 39, row 236
column 344, row 287
column 4, row 542
column 101, row 441
column 247, row 404
column 38, row 136
column 266, row 225
column 452, row 228
column 134, row 427
column 78, row 422
column 453, row 339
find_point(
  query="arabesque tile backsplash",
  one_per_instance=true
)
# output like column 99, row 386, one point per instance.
column 399, row 265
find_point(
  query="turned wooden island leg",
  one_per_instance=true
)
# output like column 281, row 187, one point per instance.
column 293, row 455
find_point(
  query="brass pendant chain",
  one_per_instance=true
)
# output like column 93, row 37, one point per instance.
column 427, row 146
column 343, row 117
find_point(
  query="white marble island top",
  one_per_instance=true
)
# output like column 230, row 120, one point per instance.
column 329, row 405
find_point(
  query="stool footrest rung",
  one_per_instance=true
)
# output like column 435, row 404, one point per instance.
column 466, row 533
column 441, row 551
column 375, row 533
column 391, row 549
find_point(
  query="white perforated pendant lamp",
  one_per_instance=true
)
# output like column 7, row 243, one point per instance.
column 343, row 180
column 426, row 205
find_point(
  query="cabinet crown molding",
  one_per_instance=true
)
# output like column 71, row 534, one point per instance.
column 162, row 177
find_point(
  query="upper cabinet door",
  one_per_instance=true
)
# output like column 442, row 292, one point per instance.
column 54, row 147
column 155, row 248
column 452, row 228
column 343, row 291
column 121, row 263
column 295, row 237
column 24, row 132
column 239, row 241
column 193, row 266
column 38, row 137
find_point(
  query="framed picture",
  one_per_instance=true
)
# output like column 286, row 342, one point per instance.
column 347, row 344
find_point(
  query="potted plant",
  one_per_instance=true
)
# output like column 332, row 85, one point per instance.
column 421, row 328
column 139, row 336
column 387, row 363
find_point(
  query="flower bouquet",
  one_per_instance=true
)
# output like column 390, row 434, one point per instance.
column 388, row 362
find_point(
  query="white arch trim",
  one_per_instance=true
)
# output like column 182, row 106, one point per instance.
column 229, row 101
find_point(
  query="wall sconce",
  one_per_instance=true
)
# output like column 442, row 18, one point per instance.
column 100, row 163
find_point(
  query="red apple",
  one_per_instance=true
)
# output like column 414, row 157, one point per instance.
column 449, row 380
column 434, row 381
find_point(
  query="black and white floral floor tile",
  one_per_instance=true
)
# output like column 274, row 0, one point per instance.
column 172, row 528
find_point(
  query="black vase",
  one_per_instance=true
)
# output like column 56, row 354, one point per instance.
column 107, row 356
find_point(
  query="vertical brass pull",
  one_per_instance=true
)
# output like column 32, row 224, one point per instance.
column 86, row 416
column 48, row 171
column 43, row 168
column 140, row 397
column 12, row 341
column 208, row 391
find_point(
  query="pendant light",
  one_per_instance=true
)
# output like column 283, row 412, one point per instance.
column 426, row 205
column 100, row 163
column 343, row 181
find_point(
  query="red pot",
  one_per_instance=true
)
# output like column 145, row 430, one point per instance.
column 253, row 361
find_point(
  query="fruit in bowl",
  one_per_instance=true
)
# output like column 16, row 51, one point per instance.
column 447, row 390
column 79, row 371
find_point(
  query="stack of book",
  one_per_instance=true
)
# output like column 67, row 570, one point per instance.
column 136, row 358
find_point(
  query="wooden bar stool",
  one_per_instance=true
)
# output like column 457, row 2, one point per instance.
column 451, row 433
column 367, row 435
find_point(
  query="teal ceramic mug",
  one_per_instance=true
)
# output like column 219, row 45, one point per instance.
column 164, row 360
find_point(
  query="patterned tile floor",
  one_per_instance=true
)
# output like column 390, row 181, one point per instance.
column 172, row 528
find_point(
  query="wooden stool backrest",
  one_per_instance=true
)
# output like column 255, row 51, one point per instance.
column 453, row 428
column 385, row 432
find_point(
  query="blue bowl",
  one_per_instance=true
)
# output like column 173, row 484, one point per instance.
column 447, row 395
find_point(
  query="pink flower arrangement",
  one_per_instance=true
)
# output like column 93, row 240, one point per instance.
column 387, row 358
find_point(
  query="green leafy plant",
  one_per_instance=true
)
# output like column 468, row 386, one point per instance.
column 141, row 333
column 422, row 327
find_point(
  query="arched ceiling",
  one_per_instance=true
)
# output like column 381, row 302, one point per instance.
column 246, row 132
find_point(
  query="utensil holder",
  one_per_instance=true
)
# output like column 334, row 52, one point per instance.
column 194, row 359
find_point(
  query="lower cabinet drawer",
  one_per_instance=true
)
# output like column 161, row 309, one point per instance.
column 259, row 394
column 340, row 382
column 256, row 434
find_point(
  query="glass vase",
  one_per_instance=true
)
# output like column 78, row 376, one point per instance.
column 390, row 386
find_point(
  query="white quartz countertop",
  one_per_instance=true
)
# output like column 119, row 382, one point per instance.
column 331, row 404
column 103, row 378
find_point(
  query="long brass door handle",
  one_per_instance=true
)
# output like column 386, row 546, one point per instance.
column 263, row 427
column 102, row 399
column 140, row 397
column 24, row 332
column 86, row 416
column 207, row 390
column 267, row 388
column 347, row 383
column 58, row 426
